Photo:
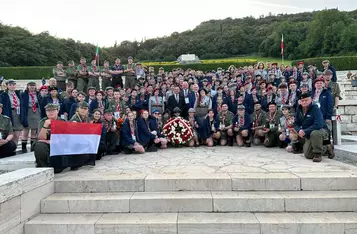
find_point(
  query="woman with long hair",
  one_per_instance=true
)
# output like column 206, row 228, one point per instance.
column 53, row 97
column 150, row 124
column 203, row 104
column 129, row 136
column 210, row 132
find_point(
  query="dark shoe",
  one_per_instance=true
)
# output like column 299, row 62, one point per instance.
column 24, row 147
column 230, row 141
column 58, row 170
column 331, row 151
column 247, row 144
column 74, row 168
column 152, row 149
column 110, row 153
column 99, row 156
column 317, row 158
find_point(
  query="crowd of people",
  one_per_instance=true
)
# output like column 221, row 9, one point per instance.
column 276, row 106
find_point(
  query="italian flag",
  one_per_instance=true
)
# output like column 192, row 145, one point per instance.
column 71, row 138
column 97, row 54
column 282, row 46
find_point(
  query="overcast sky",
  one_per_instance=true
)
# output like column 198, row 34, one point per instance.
column 105, row 21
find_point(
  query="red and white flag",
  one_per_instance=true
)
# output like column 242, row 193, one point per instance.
column 282, row 46
column 70, row 138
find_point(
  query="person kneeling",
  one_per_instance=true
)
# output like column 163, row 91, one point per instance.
column 111, row 133
column 242, row 127
column 210, row 132
column 272, row 125
column 286, row 122
column 309, row 125
column 7, row 146
column 129, row 135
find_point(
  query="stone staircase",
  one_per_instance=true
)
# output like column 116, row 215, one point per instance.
column 316, row 203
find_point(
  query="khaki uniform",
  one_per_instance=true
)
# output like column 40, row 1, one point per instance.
column 106, row 77
column 335, row 91
column 273, row 134
column 9, row 148
column 82, row 80
column 61, row 77
column 117, row 108
column 93, row 81
column 314, row 145
column 72, row 75
column 130, row 77
column 227, row 121
column 77, row 119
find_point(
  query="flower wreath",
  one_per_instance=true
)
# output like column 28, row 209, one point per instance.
column 178, row 131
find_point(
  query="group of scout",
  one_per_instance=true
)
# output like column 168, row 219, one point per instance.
column 289, row 107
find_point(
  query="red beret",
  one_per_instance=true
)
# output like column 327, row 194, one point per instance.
column 301, row 62
column 156, row 90
column 269, row 88
column 253, row 88
column 319, row 79
column 43, row 87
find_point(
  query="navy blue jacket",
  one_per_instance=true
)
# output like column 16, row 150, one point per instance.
column 247, row 122
column 326, row 104
column 67, row 104
column 94, row 105
column 265, row 102
column 125, row 134
column 5, row 100
column 206, row 130
column 309, row 122
column 25, row 107
column 232, row 105
column 137, row 106
column 248, row 103
column 73, row 110
column 154, row 127
column 144, row 136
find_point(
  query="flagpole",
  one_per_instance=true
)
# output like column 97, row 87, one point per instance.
column 282, row 46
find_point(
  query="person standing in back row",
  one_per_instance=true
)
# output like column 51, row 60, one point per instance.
column 130, row 77
column 82, row 75
column 60, row 75
column 116, row 72
column 93, row 72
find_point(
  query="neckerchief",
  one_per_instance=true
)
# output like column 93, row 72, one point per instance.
column 272, row 117
column 33, row 102
column 14, row 97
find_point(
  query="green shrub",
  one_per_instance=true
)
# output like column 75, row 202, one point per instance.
column 32, row 73
column 340, row 63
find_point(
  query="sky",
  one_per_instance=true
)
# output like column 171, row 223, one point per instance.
column 106, row 21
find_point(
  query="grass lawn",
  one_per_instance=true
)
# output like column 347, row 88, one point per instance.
column 262, row 59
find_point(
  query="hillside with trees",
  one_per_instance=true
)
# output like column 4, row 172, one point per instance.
column 311, row 34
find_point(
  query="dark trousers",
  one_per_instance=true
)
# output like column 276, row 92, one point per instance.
column 8, row 149
column 273, row 138
column 117, row 81
column 111, row 140
column 42, row 154
column 130, row 82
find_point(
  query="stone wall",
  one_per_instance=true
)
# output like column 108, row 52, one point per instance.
column 21, row 193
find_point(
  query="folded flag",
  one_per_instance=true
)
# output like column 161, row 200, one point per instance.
column 70, row 138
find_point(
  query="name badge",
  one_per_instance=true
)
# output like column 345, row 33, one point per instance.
column 271, row 126
column 164, row 99
column 287, row 132
column 318, row 104
column 134, row 138
column 116, row 115
column 187, row 101
column 18, row 110
column 138, row 77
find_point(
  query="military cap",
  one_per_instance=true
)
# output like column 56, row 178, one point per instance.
column 276, row 64
column 51, row 106
column 286, row 107
column 31, row 83
column 43, row 87
column 204, row 80
column 130, row 58
column 306, row 73
column 283, row 85
column 253, row 87
column 59, row 62
column 90, row 88
column 191, row 110
column 177, row 110
column 161, row 68
column 10, row 82
column 304, row 95
column 241, row 107
column 138, row 63
column 109, row 88
column 318, row 80
column 105, row 61
column 257, row 102
column 213, row 71
column 258, row 74
column 70, row 62
column 318, row 73
column 155, row 111
column 327, row 72
column 1, row 105
column 109, row 110
column 239, row 75
column 101, row 92
column 52, row 88
column 325, row 61
column 271, row 103
column 83, row 104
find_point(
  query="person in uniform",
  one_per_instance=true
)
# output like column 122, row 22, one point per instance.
column 129, row 72
column 71, row 73
column 334, row 87
column 129, row 135
column 111, row 133
column 310, row 126
column 11, row 100
column 155, row 125
column 286, row 121
column 31, row 115
column 98, row 103
column 82, row 75
column 60, row 75
column 106, row 76
column 68, row 93
column 81, row 97
column 116, row 72
column 258, row 118
column 272, row 125
column 195, row 123
column 42, row 144
column 283, row 97
column 242, row 127
column 225, row 118
column 109, row 94
column 117, row 105
column 93, row 75
column 7, row 145
column 209, row 132
column 54, row 98
column 327, row 66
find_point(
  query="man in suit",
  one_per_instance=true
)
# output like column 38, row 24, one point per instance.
column 176, row 100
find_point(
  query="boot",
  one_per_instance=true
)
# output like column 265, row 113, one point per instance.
column 24, row 147
column 297, row 149
column 32, row 147
column 230, row 141
column 247, row 142
column 317, row 158
column 330, row 151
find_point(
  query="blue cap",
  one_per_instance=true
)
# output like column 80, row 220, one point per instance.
column 155, row 111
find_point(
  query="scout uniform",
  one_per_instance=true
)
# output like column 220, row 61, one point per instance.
column 82, row 78
column 110, row 136
column 77, row 118
column 42, row 149
column 72, row 73
column 272, row 123
column 9, row 148
column 11, row 101
column 93, row 80
column 130, row 76
column 242, row 123
column 118, row 108
column 258, row 119
column 106, row 76
column 60, row 76
column 225, row 120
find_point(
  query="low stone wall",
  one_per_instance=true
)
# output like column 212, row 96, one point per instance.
column 21, row 193
column 348, row 111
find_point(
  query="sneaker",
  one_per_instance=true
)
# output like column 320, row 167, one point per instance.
column 330, row 151
column 317, row 158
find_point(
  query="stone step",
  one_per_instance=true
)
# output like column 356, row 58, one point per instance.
column 220, row 201
column 285, row 181
column 195, row 223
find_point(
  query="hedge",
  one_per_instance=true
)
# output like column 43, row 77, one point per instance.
column 32, row 73
column 340, row 63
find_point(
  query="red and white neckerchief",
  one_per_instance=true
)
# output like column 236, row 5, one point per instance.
column 33, row 102
column 269, row 98
column 101, row 105
column 219, row 108
column 283, row 99
column 272, row 117
column 255, row 98
column 317, row 95
column 14, row 97
column 241, row 121
column 118, row 109
column 94, row 68
column 257, row 116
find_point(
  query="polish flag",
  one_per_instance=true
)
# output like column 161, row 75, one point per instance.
column 71, row 138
